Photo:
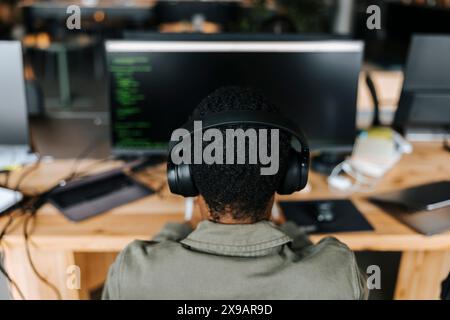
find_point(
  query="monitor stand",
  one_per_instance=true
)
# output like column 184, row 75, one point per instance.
column 325, row 162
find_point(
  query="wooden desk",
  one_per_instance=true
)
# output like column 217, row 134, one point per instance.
column 92, row 245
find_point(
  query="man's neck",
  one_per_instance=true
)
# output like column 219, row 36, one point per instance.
column 233, row 221
column 228, row 219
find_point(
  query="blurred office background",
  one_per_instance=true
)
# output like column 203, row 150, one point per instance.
column 67, row 66
column 66, row 74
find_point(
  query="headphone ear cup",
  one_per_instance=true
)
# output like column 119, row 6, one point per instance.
column 296, row 175
column 180, row 180
column 304, row 164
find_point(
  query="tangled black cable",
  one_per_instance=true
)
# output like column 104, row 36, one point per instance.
column 11, row 219
column 12, row 282
column 30, row 206
column 2, row 269
column 6, row 180
column 26, row 173
column 31, row 215
column 23, row 205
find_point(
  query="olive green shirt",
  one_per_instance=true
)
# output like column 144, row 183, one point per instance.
column 246, row 261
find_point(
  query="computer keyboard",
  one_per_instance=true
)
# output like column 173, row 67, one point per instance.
column 90, row 196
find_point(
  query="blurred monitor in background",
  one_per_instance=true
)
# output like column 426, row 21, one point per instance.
column 14, row 133
column 6, row 19
column 13, row 107
column 424, row 107
column 400, row 20
column 196, row 16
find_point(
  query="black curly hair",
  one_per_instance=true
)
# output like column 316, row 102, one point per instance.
column 238, row 190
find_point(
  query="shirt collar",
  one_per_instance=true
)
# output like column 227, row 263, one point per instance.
column 241, row 240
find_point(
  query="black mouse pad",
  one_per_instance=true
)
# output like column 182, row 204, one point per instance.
column 347, row 217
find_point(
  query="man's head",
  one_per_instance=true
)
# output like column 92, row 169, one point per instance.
column 238, row 191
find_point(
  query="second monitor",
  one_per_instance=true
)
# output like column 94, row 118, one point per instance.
column 155, row 85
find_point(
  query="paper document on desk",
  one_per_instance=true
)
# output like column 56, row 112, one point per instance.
column 375, row 152
column 12, row 157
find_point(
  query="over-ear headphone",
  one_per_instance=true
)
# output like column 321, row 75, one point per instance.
column 180, row 178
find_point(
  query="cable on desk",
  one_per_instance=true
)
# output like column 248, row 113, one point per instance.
column 30, row 216
column 7, row 225
column 12, row 283
column 5, row 182
column 26, row 173
column 83, row 154
column 31, row 207
column 92, row 166
column 28, row 203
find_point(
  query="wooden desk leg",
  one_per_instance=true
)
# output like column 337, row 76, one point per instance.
column 94, row 268
column 421, row 273
column 53, row 265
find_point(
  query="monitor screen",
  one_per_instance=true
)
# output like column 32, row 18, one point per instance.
column 13, row 107
column 155, row 85
column 424, row 108
column 428, row 66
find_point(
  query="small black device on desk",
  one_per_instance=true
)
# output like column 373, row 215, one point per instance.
column 425, row 208
column 424, row 197
column 92, row 195
column 325, row 216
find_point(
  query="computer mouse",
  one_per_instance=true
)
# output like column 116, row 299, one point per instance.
column 325, row 212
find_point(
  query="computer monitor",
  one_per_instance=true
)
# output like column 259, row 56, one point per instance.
column 13, row 107
column 424, row 106
column 155, row 85
column 138, row 35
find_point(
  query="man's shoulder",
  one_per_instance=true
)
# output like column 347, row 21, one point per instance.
column 335, row 260
column 335, row 252
column 139, row 265
column 145, row 249
column 333, row 244
column 143, row 258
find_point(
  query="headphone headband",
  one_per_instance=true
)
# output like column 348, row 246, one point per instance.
column 254, row 117
column 294, row 178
